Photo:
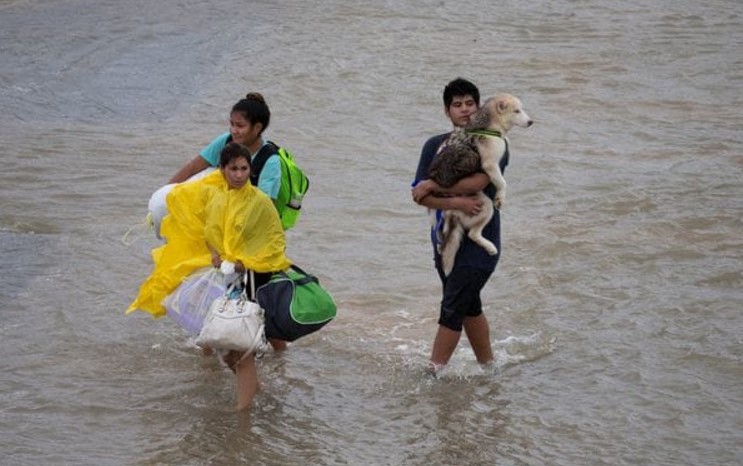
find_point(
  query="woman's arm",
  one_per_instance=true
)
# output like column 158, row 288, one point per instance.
column 216, row 258
column 189, row 169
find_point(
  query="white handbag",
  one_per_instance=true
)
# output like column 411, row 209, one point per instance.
column 235, row 323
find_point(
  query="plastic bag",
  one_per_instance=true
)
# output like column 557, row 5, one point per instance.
column 189, row 304
column 157, row 206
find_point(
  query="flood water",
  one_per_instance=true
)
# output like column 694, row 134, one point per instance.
column 615, row 310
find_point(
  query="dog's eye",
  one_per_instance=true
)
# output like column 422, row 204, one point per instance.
column 517, row 111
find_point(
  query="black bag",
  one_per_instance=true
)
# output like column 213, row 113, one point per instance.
column 295, row 304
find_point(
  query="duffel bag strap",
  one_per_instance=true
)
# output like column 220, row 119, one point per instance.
column 307, row 278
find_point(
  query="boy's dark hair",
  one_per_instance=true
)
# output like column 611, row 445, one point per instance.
column 460, row 87
column 255, row 109
column 231, row 152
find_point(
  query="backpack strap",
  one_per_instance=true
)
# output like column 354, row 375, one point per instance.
column 259, row 160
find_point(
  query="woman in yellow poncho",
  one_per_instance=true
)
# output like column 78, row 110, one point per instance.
column 221, row 217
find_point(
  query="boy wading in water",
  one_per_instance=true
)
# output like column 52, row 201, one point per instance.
column 461, row 306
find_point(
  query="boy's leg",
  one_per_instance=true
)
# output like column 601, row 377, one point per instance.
column 478, row 333
column 443, row 346
column 461, row 308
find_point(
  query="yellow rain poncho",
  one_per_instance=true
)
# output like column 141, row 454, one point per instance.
column 241, row 224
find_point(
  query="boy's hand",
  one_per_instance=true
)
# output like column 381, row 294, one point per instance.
column 470, row 205
column 423, row 189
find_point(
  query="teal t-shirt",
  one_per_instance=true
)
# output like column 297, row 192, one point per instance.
column 269, row 180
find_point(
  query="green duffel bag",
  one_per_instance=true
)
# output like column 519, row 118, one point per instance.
column 295, row 304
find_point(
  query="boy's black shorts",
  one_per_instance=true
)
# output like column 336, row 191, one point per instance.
column 462, row 296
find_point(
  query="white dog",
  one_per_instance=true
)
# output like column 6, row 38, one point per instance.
column 478, row 146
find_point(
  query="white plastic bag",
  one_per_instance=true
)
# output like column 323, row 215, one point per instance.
column 157, row 208
column 189, row 303
column 157, row 205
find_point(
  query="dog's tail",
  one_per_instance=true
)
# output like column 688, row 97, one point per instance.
column 452, row 238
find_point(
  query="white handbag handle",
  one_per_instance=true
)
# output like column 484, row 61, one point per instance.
column 233, row 285
column 252, row 285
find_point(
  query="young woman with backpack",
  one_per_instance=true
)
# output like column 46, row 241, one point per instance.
column 249, row 118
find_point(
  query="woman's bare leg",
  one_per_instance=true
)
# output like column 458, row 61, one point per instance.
column 247, row 381
column 278, row 345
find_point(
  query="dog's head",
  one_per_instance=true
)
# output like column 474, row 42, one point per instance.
column 501, row 112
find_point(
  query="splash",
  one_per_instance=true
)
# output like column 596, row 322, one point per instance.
column 519, row 349
column 509, row 352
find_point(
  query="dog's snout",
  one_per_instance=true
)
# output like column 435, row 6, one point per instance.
column 529, row 123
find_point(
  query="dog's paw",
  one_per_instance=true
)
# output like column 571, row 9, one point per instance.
column 491, row 250
column 499, row 201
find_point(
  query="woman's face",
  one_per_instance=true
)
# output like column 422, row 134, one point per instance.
column 242, row 131
column 237, row 173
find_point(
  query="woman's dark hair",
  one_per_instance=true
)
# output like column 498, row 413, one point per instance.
column 460, row 87
column 231, row 152
column 254, row 109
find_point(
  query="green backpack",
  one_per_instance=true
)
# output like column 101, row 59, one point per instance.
column 294, row 183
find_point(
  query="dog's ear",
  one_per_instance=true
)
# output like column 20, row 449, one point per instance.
column 501, row 105
column 481, row 118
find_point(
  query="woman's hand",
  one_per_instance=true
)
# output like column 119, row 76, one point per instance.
column 227, row 267
column 216, row 260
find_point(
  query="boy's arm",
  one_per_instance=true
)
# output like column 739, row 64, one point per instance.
column 466, row 186
column 470, row 205
column 460, row 196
